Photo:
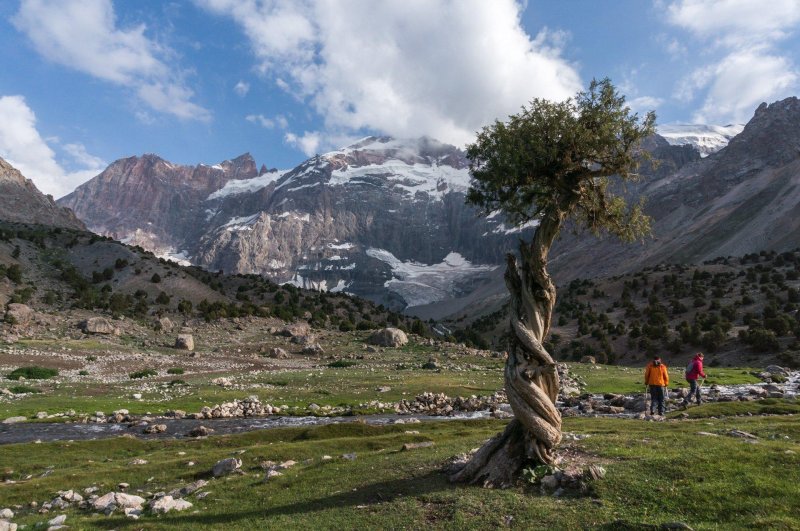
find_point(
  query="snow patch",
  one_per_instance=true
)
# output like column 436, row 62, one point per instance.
column 340, row 246
column 241, row 223
column 340, row 286
column 246, row 186
column 420, row 284
column 433, row 179
column 501, row 229
column 707, row 139
column 179, row 257
column 295, row 215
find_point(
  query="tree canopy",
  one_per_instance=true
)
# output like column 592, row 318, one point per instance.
column 557, row 159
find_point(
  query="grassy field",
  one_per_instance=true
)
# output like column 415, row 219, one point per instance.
column 657, row 473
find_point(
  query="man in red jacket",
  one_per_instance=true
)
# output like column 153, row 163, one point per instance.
column 694, row 371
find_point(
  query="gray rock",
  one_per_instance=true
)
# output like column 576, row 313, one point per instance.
column 226, row 466
column 200, row 431
column 189, row 489
column 295, row 330
column 776, row 369
column 14, row 420
column 7, row 514
column 388, row 337
column 313, row 349
column 155, row 428
column 415, row 446
column 99, row 325
column 550, row 482
column 588, row 359
column 166, row 324
column 184, row 342
column 278, row 353
column 21, row 314
column 7, row 526
column 58, row 520
column 167, row 503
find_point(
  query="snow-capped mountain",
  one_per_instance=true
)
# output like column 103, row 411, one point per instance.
column 707, row 139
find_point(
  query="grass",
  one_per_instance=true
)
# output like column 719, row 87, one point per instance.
column 657, row 473
column 146, row 373
column 32, row 373
column 767, row 406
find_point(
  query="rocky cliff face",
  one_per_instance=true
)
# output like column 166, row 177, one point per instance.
column 150, row 202
column 22, row 202
column 741, row 199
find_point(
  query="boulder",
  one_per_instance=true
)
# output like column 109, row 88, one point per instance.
column 772, row 369
column 313, row 349
column 99, row 325
column 112, row 500
column 388, row 337
column 200, row 431
column 588, row 359
column 155, row 428
column 294, row 330
column 14, row 420
column 166, row 504
column 278, row 353
column 166, row 324
column 186, row 490
column 226, row 466
column 20, row 314
column 7, row 526
column 184, row 342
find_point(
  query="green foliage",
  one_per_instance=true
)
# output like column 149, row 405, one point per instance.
column 146, row 373
column 341, row 364
column 556, row 159
column 535, row 474
column 32, row 373
column 14, row 273
column 162, row 298
column 156, row 278
column 24, row 389
column 175, row 370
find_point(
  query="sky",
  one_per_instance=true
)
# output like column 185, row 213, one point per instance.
column 86, row 82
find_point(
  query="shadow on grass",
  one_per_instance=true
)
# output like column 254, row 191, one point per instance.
column 375, row 493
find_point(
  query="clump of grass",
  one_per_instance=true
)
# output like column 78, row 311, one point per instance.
column 24, row 389
column 142, row 374
column 341, row 364
column 32, row 373
column 278, row 383
column 83, row 373
column 91, row 358
column 175, row 382
column 175, row 370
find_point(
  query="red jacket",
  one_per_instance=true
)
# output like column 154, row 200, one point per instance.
column 696, row 370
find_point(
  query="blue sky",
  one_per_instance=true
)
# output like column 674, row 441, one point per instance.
column 85, row 82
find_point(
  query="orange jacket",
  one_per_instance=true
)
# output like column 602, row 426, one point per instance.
column 656, row 375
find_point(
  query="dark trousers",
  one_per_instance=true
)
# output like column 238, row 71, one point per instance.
column 694, row 391
column 656, row 399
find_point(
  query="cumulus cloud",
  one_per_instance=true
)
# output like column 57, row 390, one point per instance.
column 25, row 149
column 241, row 88
column 746, row 66
column 309, row 142
column 268, row 123
column 83, row 35
column 403, row 68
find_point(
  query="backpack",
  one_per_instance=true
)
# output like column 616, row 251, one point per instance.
column 689, row 368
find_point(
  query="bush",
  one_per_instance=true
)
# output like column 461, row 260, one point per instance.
column 32, row 373
column 23, row 389
column 142, row 374
column 341, row 364
column 83, row 373
column 156, row 278
column 175, row 370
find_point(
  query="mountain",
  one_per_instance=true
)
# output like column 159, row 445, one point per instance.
column 21, row 201
column 150, row 202
column 707, row 139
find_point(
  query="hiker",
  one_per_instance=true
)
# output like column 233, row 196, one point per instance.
column 656, row 378
column 694, row 371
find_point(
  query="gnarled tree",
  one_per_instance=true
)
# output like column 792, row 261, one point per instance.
column 549, row 163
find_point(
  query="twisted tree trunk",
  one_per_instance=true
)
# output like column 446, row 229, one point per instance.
column 531, row 378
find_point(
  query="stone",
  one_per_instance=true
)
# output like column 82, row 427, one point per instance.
column 278, row 353
column 200, row 431
column 20, row 314
column 70, row 496
column 138, row 462
column 123, row 486
column 595, row 472
column 388, row 337
column 155, row 428
column 166, row 324
column 184, row 342
column 14, row 420
column 99, row 325
column 189, row 489
column 550, row 482
column 589, row 359
column 294, row 330
column 349, row 457
column 226, row 466
column 58, row 520
column 313, row 349
column 167, row 503
column 7, row 526
column 741, row 434
column 133, row 514
column 776, row 369
column 415, row 446
column 222, row 381
column 7, row 514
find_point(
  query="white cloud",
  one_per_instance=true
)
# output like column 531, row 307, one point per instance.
column 406, row 68
column 83, row 35
column 242, row 88
column 25, row 149
column 745, row 65
column 309, row 143
column 268, row 123
column 643, row 104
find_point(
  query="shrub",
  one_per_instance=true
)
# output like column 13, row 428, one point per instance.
column 156, row 278
column 23, row 389
column 175, row 370
column 142, row 374
column 83, row 373
column 32, row 373
column 341, row 364
column 173, row 383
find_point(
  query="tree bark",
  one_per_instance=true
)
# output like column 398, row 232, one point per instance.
column 531, row 378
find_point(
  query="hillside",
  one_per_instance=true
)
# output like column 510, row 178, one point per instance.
column 738, row 311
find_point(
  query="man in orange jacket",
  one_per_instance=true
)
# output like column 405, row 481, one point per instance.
column 656, row 378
